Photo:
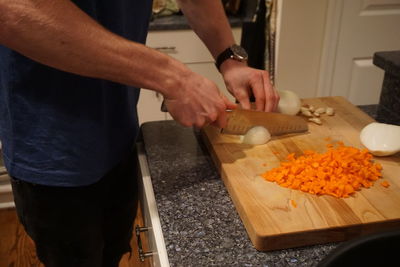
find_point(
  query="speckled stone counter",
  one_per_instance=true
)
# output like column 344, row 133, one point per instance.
column 389, row 102
column 199, row 221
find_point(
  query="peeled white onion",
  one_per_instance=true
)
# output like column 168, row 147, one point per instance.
column 289, row 102
column 381, row 139
column 257, row 135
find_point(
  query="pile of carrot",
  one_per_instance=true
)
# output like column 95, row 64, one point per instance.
column 339, row 172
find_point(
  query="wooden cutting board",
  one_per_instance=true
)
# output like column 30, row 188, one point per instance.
column 265, row 208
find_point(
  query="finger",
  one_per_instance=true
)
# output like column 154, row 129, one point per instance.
column 221, row 117
column 228, row 103
column 221, row 120
column 200, row 122
column 269, row 93
column 243, row 97
column 257, row 86
column 277, row 98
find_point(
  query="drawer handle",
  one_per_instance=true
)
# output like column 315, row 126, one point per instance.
column 142, row 255
column 167, row 49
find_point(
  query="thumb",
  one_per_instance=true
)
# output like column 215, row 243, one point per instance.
column 228, row 103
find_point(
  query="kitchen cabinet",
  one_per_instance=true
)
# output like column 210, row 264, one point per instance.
column 6, row 197
column 185, row 46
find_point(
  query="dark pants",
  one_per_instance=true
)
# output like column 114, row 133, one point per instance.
column 81, row 226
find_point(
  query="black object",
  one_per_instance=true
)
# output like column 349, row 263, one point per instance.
column 389, row 102
column 235, row 52
column 253, row 38
column 378, row 249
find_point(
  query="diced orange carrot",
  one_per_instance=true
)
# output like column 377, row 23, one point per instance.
column 339, row 172
column 385, row 184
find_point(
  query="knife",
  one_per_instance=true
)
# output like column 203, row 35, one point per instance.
column 241, row 120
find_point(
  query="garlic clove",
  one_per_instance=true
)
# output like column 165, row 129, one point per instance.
column 306, row 113
column 381, row 139
column 303, row 109
column 330, row 111
column 315, row 120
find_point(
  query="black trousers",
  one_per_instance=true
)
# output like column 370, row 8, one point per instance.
column 81, row 226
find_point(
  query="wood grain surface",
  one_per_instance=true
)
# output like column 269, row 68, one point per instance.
column 18, row 250
column 265, row 208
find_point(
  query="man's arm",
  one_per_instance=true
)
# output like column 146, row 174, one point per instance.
column 60, row 35
column 207, row 18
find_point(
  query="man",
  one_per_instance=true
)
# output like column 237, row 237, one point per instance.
column 69, row 78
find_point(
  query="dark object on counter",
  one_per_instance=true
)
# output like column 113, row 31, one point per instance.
column 389, row 102
column 372, row 250
column 369, row 109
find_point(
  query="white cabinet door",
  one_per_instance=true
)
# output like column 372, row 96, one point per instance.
column 149, row 107
column 325, row 47
column 366, row 27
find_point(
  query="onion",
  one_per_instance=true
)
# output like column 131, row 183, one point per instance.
column 257, row 135
column 381, row 139
column 289, row 102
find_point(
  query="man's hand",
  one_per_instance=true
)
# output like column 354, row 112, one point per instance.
column 207, row 18
column 242, row 80
column 198, row 103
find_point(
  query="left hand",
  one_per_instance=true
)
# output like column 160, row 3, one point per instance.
column 240, row 80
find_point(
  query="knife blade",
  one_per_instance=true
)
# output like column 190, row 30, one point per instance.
column 241, row 120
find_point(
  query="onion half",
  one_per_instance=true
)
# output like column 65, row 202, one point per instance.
column 257, row 135
column 289, row 102
column 381, row 139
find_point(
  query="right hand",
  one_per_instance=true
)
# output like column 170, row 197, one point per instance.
column 198, row 103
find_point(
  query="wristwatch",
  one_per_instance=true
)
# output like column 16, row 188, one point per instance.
column 235, row 52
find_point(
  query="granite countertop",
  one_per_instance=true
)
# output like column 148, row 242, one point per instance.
column 199, row 221
column 198, row 218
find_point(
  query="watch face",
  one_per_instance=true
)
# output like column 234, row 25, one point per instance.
column 239, row 52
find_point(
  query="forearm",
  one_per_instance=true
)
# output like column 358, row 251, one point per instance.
column 207, row 18
column 59, row 34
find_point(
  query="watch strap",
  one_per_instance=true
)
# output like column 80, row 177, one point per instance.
column 226, row 54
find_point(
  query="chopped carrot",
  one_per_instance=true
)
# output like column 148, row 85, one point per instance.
column 385, row 184
column 294, row 204
column 339, row 172
column 275, row 152
column 264, row 164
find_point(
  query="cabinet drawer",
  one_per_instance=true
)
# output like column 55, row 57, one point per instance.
column 6, row 195
column 151, row 219
column 183, row 45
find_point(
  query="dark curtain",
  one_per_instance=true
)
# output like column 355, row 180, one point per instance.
column 253, row 37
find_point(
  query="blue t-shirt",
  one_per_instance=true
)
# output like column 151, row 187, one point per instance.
column 62, row 129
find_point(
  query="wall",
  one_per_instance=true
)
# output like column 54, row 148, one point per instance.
column 301, row 35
